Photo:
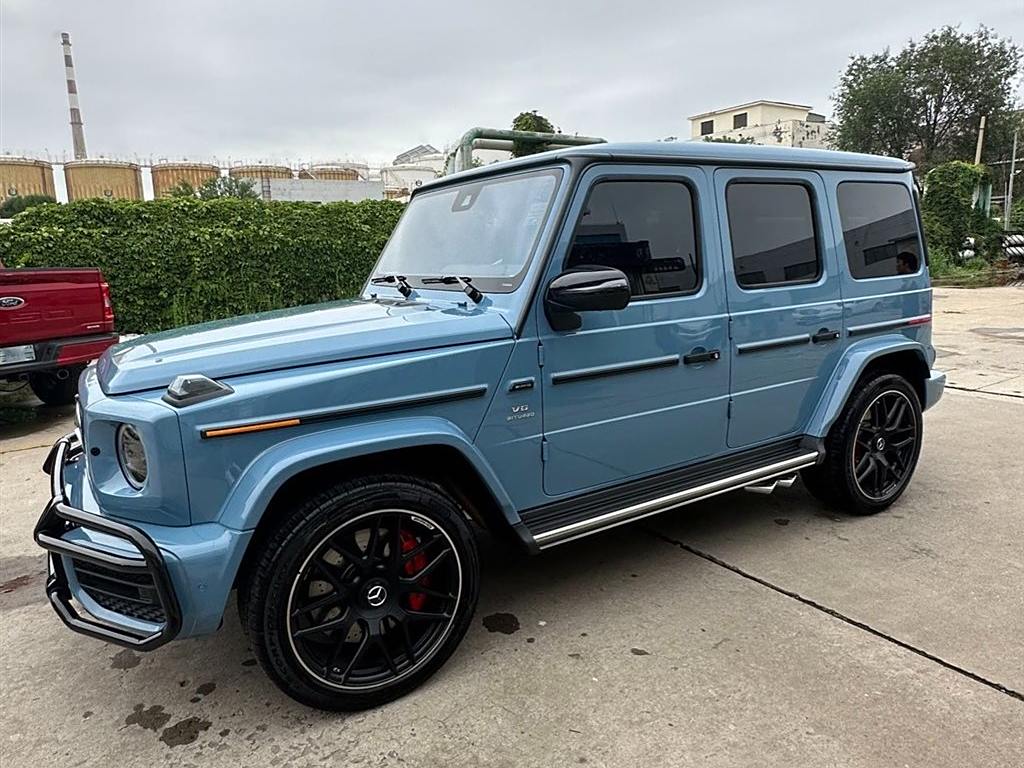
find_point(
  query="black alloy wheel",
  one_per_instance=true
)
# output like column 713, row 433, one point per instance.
column 374, row 600
column 872, row 449
column 885, row 445
column 361, row 591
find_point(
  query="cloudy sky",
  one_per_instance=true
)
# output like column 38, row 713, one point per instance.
column 344, row 79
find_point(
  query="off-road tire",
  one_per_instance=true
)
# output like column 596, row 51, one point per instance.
column 267, row 589
column 834, row 480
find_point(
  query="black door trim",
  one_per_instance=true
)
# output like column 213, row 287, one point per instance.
column 785, row 341
column 600, row 371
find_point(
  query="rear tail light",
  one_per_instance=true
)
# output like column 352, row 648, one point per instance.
column 108, row 307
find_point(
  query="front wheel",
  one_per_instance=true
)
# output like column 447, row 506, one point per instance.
column 872, row 450
column 363, row 592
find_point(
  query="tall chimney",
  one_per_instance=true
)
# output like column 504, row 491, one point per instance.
column 77, row 133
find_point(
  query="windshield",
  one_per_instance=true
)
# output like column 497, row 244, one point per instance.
column 484, row 230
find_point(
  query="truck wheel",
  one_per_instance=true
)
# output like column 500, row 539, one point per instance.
column 362, row 592
column 872, row 449
column 56, row 387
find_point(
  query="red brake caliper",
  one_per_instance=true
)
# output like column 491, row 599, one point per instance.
column 417, row 563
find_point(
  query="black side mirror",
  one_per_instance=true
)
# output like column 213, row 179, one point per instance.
column 584, row 289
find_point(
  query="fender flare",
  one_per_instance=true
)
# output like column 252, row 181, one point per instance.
column 252, row 492
column 856, row 358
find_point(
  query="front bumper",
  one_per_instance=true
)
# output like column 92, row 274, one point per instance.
column 106, row 583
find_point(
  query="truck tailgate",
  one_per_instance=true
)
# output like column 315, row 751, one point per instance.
column 41, row 304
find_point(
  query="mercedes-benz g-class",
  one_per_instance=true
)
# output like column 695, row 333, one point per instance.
column 546, row 348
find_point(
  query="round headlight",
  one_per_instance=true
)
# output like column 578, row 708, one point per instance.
column 131, row 454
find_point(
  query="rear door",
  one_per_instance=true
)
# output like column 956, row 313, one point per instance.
column 784, row 298
column 644, row 388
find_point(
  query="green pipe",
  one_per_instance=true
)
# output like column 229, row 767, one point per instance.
column 464, row 154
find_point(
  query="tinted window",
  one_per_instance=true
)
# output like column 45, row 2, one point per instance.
column 708, row 126
column 644, row 228
column 772, row 231
column 879, row 229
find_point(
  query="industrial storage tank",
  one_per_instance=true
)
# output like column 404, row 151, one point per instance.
column 110, row 179
column 23, row 176
column 166, row 176
column 260, row 172
column 336, row 172
column 401, row 180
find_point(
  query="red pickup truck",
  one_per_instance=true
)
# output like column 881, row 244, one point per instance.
column 53, row 322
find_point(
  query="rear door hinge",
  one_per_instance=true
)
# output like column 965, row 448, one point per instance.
column 543, row 449
column 540, row 355
column 728, row 409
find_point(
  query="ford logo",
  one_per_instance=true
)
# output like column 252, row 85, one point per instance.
column 11, row 302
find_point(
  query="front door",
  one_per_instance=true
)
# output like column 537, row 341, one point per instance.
column 643, row 388
column 784, row 298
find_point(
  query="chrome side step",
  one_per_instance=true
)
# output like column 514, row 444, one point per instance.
column 780, row 472
column 769, row 487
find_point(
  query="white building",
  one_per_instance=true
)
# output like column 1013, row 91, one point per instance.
column 763, row 122
column 325, row 190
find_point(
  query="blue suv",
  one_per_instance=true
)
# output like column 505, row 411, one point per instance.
column 547, row 348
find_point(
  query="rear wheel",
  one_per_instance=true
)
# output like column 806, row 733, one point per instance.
column 363, row 592
column 872, row 450
column 56, row 387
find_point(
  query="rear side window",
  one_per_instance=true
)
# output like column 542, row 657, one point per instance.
column 771, row 226
column 644, row 228
column 879, row 229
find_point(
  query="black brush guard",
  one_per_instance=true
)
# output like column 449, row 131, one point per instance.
column 58, row 518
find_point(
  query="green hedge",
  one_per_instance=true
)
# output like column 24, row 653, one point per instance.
column 950, row 216
column 174, row 262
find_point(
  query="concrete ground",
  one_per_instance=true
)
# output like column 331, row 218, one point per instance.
column 747, row 630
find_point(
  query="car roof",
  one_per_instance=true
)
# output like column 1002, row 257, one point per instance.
column 696, row 152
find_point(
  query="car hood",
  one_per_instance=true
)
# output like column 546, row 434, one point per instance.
column 294, row 337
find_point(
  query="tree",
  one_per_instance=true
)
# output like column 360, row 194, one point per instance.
column 953, row 220
column 927, row 100
column 1017, row 215
column 219, row 186
column 18, row 203
column 530, row 121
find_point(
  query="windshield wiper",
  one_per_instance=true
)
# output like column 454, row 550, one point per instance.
column 403, row 285
column 470, row 290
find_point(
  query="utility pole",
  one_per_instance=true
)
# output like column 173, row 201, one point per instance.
column 981, row 141
column 1008, row 204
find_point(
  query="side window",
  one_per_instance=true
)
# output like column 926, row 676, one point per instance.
column 644, row 228
column 879, row 229
column 771, row 226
